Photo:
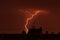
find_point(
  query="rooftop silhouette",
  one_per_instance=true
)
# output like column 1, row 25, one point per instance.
column 33, row 34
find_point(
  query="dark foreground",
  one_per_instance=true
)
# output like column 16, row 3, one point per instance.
column 33, row 34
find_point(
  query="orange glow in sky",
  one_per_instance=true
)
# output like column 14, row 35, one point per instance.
column 33, row 13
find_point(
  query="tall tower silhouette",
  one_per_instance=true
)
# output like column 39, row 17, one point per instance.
column 46, row 30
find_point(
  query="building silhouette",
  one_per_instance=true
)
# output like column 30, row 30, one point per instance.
column 33, row 34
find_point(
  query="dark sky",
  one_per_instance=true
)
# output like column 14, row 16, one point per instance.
column 13, row 22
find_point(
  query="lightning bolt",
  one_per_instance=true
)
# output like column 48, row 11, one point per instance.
column 34, row 13
column 27, row 21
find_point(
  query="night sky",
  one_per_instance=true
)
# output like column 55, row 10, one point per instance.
column 13, row 21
